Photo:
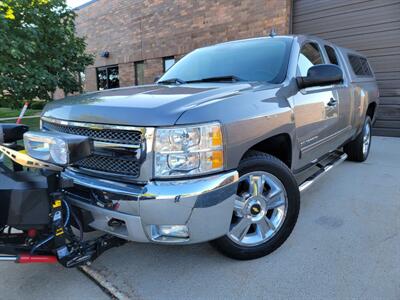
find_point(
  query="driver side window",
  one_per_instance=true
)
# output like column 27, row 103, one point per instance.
column 310, row 55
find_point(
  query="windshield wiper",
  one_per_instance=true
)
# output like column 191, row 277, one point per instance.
column 171, row 81
column 226, row 78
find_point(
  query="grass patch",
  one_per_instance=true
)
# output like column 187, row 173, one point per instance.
column 33, row 123
column 11, row 113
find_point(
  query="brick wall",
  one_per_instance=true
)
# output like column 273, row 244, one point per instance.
column 135, row 30
column 90, row 80
column 126, row 74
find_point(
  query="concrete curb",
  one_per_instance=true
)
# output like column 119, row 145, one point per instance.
column 14, row 118
column 103, row 283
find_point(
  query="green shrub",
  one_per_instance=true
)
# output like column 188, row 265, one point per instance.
column 39, row 105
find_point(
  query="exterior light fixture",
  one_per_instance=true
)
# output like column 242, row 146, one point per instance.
column 105, row 54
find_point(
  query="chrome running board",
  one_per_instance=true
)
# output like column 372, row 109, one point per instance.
column 341, row 157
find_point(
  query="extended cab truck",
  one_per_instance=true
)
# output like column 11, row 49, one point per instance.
column 221, row 146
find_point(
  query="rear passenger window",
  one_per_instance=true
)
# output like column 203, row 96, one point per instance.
column 310, row 55
column 360, row 65
column 331, row 55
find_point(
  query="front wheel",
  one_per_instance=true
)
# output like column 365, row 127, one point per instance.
column 265, row 211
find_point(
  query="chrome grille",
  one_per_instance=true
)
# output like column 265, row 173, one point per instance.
column 111, row 165
column 104, row 160
column 102, row 135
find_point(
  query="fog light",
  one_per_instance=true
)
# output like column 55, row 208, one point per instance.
column 178, row 231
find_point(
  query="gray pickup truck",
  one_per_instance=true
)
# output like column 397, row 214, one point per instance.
column 221, row 146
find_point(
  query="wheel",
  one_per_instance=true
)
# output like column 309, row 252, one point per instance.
column 265, row 211
column 358, row 150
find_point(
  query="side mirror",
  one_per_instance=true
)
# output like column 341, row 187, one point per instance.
column 321, row 75
column 157, row 78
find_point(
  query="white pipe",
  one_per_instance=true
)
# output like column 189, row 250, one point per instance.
column 8, row 258
column 23, row 111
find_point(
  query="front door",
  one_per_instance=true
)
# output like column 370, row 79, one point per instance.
column 316, row 110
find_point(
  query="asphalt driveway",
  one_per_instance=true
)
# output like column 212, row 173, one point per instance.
column 346, row 245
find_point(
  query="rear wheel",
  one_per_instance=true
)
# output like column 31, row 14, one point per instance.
column 358, row 150
column 265, row 211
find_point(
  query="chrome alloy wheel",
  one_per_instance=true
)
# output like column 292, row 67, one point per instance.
column 259, row 210
column 366, row 138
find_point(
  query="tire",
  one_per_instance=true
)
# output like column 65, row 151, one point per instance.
column 273, row 175
column 355, row 149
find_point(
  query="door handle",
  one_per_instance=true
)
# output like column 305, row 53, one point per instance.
column 332, row 102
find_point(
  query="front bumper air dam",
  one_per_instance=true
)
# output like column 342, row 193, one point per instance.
column 204, row 205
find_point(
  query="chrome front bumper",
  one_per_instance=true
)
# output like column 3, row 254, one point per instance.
column 203, row 205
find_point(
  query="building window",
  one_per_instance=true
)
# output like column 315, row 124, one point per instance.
column 139, row 72
column 168, row 62
column 107, row 78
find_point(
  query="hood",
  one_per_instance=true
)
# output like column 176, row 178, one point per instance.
column 152, row 105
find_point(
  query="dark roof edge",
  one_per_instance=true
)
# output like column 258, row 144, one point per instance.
column 84, row 5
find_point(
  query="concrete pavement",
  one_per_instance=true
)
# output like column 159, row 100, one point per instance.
column 346, row 245
column 46, row 282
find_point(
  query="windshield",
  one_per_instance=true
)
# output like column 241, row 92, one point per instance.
column 251, row 60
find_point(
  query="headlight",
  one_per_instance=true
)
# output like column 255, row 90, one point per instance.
column 191, row 150
column 60, row 149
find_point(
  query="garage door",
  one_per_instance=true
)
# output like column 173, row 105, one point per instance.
column 371, row 27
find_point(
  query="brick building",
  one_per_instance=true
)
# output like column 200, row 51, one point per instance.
column 136, row 40
column 141, row 35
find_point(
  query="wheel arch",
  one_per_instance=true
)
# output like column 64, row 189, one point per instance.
column 371, row 110
column 279, row 145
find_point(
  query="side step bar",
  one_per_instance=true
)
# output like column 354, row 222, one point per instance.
column 322, row 171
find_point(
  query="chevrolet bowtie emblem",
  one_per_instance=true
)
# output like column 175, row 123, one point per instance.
column 94, row 127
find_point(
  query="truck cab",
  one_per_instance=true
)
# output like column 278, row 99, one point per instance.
column 220, row 147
